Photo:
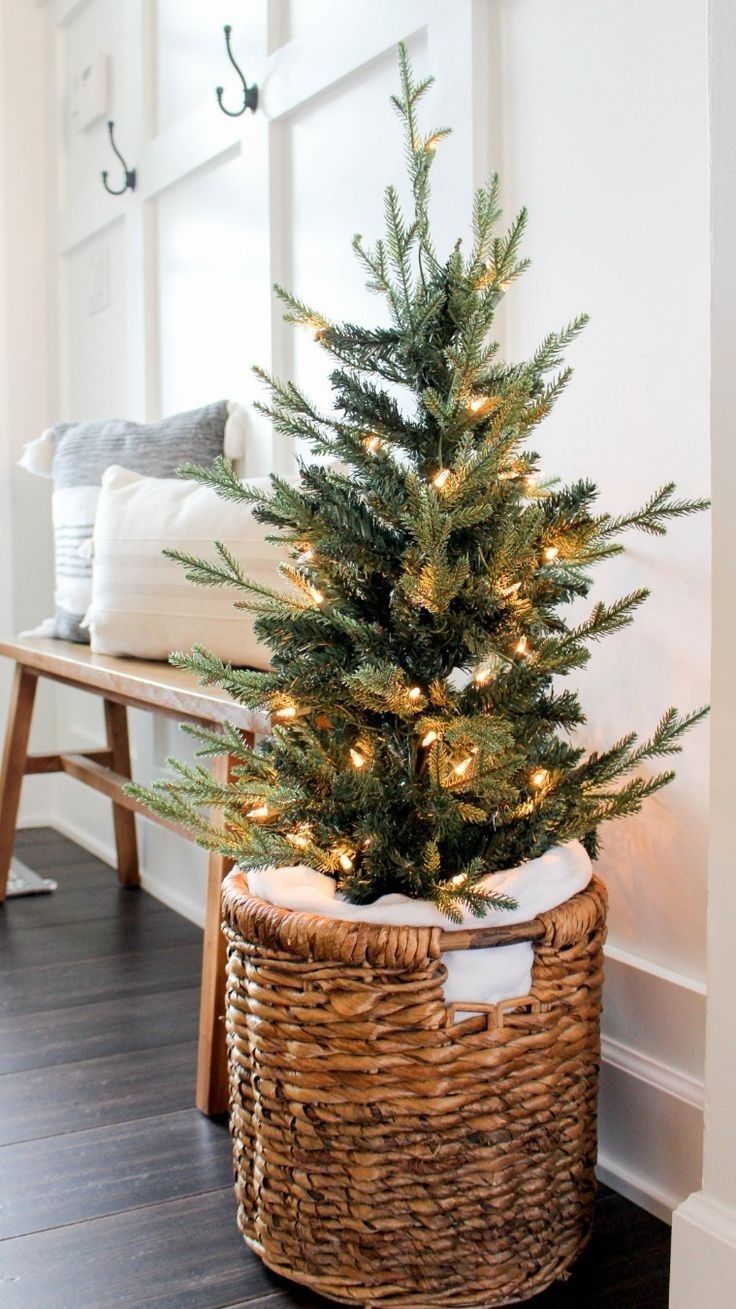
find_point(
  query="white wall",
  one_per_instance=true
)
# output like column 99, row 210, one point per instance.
column 598, row 123
column 220, row 211
column 26, row 371
column 603, row 134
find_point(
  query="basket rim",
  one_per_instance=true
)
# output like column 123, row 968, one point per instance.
column 238, row 903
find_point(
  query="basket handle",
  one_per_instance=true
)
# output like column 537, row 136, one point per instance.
column 480, row 938
column 495, row 1013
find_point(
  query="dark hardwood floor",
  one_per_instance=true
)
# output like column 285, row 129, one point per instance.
column 114, row 1190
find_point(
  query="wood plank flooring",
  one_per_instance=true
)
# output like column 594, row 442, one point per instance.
column 114, row 1190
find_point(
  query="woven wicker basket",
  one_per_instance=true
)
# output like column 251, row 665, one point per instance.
column 387, row 1153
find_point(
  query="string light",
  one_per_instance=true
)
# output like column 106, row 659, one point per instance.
column 461, row 769
column 505, row 591
column 539, row 777
column 431, row 737
column 315, row 329
column 441, row 478
column 299, row 839
column 357, row 759
column 551, row 553
column 415, row 692
column 522, row 646
column 483, row 674
column 306, row 556
column 260, row 811
column 367, row 843
column 316, row 595
column 476, row 404
column 288, row 711
column 345, row 861
column 372, row 444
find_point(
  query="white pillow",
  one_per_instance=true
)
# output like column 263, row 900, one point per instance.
column 142, row 604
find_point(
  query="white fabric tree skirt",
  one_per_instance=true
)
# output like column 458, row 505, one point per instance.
column 489, row 975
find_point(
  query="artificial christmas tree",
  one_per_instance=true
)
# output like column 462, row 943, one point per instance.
column 421, row 741
column 435, row 548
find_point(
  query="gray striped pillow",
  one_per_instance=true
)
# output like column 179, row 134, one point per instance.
column 81, row 454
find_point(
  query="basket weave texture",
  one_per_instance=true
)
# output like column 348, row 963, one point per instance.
column 389, row 1151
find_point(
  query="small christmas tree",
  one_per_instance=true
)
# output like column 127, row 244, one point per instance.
column 420, row 737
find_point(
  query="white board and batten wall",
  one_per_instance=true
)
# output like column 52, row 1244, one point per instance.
column 596, row 118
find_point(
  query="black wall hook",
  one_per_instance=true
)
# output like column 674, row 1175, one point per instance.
column 129, row 172
column 250, row 93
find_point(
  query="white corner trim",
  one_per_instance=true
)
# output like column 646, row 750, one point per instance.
column 703, row 1253
column 620, row 956
column 655, row 1072
column 711, row 1216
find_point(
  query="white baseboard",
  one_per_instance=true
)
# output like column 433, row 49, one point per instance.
column 155, row 885
column 642, row 1191
column 653, row 1072
column 652, row 1092
column 703, row 1254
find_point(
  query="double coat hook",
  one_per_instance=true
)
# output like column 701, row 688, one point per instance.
column 250, row 93
column 129, row 172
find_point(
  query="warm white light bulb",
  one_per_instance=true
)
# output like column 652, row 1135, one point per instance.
column 510, row 590
column 357, row 759
column 297, row 839
column 288, row 711
column 483, row 674
column 415, row 692
column 462, row 768
column 551, row 553
column 431, row 737
column 440, row 479
column 522, row 646
column 476, row 404
column 260, row 811
column 306, row 556
column 539, row 777
column 372, row 444
column 345, row 862
column 316, row 595
column 315, row 329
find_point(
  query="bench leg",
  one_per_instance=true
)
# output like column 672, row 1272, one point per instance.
column 212, row 1085
column 14, row 764
column 126, row 842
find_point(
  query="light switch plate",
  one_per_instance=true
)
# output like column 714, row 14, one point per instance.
column 89, row 92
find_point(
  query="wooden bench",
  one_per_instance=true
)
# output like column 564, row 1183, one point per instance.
column 123, row 684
